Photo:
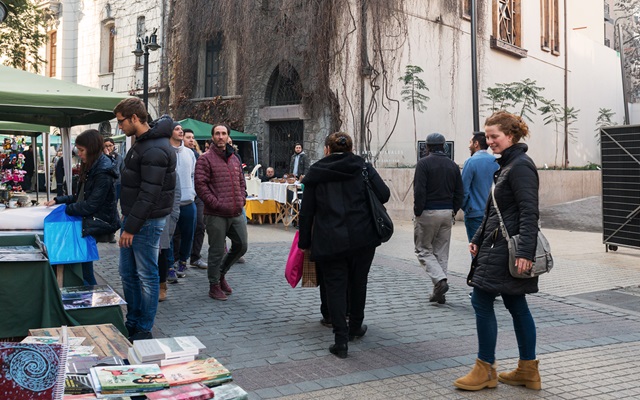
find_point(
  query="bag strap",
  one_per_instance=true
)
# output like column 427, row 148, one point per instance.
column 495, row 205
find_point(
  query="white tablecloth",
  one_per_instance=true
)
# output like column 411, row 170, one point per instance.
column 275, row 191
column 24, row 218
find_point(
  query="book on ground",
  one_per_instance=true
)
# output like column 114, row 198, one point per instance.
column 165, row 348
column 195, row 371
column 32, row 370
column 128, row 378
column 193, row 391
column 77, row 384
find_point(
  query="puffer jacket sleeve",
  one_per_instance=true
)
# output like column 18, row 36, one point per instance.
column 101, row 185
column 153, row 168
column 523, row 180
column 202, row 178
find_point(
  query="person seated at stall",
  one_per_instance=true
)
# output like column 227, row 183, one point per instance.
column 270, row 174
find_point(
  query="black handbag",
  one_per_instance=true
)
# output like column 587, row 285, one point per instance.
column 381, row 219
column 543, row 261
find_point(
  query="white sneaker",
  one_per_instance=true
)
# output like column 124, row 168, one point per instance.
column 200, row 263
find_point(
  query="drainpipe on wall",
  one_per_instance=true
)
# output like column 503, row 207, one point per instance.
column 474, row 66
column 566, row 89
column 365, row 72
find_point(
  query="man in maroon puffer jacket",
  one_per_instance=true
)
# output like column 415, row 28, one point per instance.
column 220, row 184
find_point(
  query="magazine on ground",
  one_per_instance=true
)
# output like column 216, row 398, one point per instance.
column 89, row 297
column 195, row 371
column 230, row 391
column 194, row 391
column 165, row 348
column 32, row 370
column 128, row 379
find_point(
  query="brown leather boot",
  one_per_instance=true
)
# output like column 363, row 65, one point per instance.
column 482, row 375
column 163, row 292
column 526, row 375
column 216, row 293
column 224, row 285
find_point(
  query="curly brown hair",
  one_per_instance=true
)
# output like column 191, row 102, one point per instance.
column 510, row 124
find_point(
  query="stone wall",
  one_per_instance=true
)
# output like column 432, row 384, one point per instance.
column 556, row 187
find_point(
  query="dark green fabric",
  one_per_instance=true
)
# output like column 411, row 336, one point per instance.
column 30, row 298
column 202, row 131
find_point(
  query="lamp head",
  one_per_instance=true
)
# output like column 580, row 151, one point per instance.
column 153, row 42
column 138, row 51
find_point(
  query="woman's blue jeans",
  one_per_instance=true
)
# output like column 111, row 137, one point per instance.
column 487, row 325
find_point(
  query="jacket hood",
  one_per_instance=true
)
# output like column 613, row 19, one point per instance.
column 104, row 164
column 160, row 128
column 334, row 167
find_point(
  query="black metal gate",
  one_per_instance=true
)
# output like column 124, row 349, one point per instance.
column 283, row 135
column 620, row 151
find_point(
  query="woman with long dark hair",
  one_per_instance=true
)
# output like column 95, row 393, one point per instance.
column 516, row 194
column 95, row 199
column 336, row 225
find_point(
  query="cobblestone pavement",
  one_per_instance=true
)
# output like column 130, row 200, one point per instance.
column 269, row 334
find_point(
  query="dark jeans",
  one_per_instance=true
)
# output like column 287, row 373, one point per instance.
column 198, row 235
column 487, row 326
column 87, row 274
column 347, row 273
column 183, row 236
column 163, row 264
column 472, row 224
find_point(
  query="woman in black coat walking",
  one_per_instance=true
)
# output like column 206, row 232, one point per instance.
column 336, row 225
column 516, row 193
column 96, row 198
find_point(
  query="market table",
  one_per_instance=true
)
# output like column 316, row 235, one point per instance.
column 288, row 203
column 258, row 208
column 106, row 338
column 30, row 296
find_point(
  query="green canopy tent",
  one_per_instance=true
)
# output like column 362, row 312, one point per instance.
column 31, row 98
column 202, row 131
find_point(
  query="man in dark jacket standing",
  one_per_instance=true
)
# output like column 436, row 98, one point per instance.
column 148, row 180
column 299, row 164
column 220, row 184
column 438, row 194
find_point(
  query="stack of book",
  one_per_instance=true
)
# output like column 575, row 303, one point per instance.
column 165, row 351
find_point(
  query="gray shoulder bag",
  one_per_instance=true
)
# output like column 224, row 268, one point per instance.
column 543, row 261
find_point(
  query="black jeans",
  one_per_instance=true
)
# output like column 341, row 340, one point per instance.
column 339, row 276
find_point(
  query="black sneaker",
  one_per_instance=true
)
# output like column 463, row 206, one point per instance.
column 140, row 335
column 439, row 290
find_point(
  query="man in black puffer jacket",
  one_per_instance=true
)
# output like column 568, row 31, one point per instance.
column 148, row 180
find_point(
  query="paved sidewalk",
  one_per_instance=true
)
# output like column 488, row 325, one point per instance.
column 269, row 334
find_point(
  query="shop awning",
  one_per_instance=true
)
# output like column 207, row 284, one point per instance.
column 202, row 131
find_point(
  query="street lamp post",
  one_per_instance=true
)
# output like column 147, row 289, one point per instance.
column 3, row 12
column 143, row 45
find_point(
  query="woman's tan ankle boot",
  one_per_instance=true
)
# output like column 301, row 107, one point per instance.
column 482, row 375
column 525, row 375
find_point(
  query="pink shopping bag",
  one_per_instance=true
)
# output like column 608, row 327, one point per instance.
column 293, row 270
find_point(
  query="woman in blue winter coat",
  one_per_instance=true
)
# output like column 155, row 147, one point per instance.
column 516, row 194
column 95, row 200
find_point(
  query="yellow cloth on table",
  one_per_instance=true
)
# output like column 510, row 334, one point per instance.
column 260, row 207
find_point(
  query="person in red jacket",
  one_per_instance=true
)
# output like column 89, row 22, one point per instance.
column 220, row 184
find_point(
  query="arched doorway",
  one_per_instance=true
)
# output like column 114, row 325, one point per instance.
column 283, row 89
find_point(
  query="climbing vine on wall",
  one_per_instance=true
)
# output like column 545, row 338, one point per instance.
column 315, row 36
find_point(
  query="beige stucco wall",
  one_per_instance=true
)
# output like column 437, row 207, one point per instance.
column 556, row 186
